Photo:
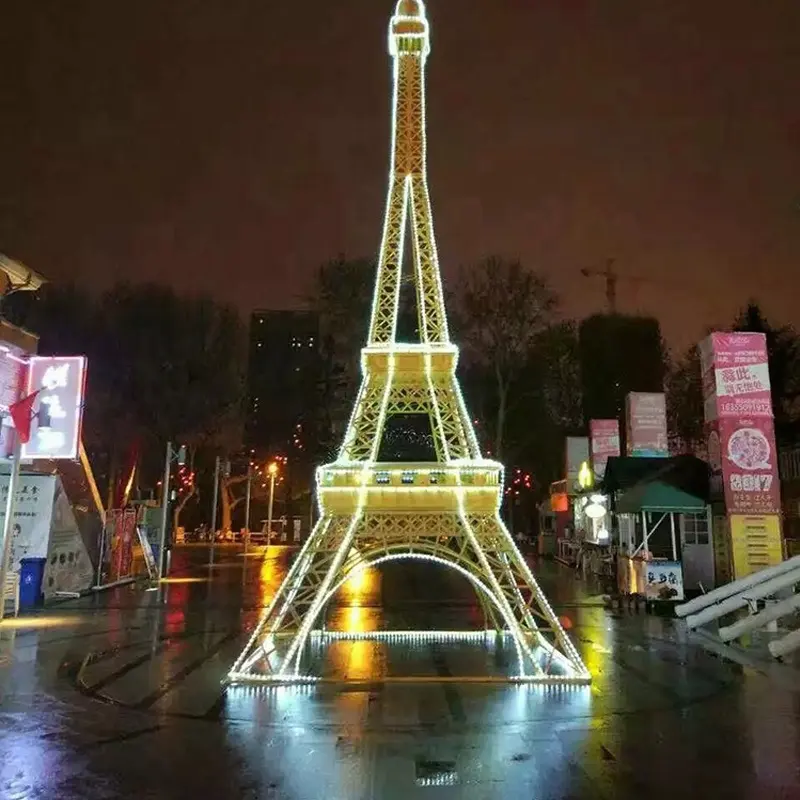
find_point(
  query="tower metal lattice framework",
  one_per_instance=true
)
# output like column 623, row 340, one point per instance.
column 446, row 511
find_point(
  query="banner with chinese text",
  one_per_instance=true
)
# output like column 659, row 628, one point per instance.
column 646, row 424
column 741, row 444
column 755, row 542
column 735, row 375
column 749, row 465
column 58, row 407
column 604, row 436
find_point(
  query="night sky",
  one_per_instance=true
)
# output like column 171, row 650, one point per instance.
column 233, row 145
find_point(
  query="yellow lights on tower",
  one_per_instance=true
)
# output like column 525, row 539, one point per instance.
column 445, row 511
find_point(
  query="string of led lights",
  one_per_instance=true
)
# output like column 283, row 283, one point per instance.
column 444, row 511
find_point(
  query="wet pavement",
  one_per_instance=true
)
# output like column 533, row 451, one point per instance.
column 120, row 695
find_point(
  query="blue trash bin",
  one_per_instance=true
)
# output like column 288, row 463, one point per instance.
column 31, row 575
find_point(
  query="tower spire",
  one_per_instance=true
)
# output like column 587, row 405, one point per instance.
column 408, row 198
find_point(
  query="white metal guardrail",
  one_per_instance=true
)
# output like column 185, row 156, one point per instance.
column 746, row 592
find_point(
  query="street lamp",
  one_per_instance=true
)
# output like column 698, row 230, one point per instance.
column 272, row 469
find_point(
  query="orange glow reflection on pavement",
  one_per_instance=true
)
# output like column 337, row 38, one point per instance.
column 270, row 577
column 361, row 586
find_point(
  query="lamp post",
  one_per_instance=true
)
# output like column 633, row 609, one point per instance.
column 272, row 469
column 247, row 507
column 215, row 498
column 178, row 455
column 247, row 497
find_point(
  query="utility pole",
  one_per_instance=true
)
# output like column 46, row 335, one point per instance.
column 273, row 471
column 611, row 278
column 178, row 455
column 215, row 498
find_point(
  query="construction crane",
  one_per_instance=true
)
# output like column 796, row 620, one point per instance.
column 611, row 278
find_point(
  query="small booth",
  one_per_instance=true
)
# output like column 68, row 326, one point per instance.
column 662, row 525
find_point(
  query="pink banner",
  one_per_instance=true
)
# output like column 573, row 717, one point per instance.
column 736, row 375
column 646, row 415
column 604, row 435
column 744, row 450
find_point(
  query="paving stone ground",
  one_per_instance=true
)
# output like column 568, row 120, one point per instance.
column 121, row 696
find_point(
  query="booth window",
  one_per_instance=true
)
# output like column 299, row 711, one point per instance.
column 695, row 529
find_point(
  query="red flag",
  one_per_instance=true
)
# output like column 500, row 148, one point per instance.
column 21, row 414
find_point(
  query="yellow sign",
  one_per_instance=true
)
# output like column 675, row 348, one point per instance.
column 755, row 542
column 585, row 476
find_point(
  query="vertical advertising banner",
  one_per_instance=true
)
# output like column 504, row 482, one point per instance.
column 646, row 424
column 735, row 376
column 58, row 408
column 749, row 465
column 604, row 436
column 741, row 445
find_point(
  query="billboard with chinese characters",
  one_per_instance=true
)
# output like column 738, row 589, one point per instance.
column 663, row 580
column 749, row 465
column 646, row 425
column 58, row 407
column 604, row 437
column 735, row 372
column 33, row 511
column 755, row 542
column 741, row 445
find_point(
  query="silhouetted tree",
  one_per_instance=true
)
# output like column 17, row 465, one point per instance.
column 161, row 366
column 342, row 296
column 783, row 349
column 503, row 308
column 685, row 413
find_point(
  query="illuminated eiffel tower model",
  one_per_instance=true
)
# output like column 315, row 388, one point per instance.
column 447, row 510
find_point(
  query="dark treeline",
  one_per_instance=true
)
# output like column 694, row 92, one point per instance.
column 165, row 365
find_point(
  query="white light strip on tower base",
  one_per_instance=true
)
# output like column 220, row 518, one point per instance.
column 413, row 636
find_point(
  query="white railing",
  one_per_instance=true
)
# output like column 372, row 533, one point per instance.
column 746, row 592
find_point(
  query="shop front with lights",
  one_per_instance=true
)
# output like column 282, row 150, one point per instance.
column 661, row 526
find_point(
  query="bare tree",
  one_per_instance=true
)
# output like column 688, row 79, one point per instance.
column 503, row 308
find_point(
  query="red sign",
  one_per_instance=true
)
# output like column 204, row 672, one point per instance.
column 646, row 415
column 736, row 375
column 744, row 449
column 122, row 543
column 604, row 435
column 58, row 408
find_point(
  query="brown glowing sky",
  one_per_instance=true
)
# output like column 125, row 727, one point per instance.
column 233, row 146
